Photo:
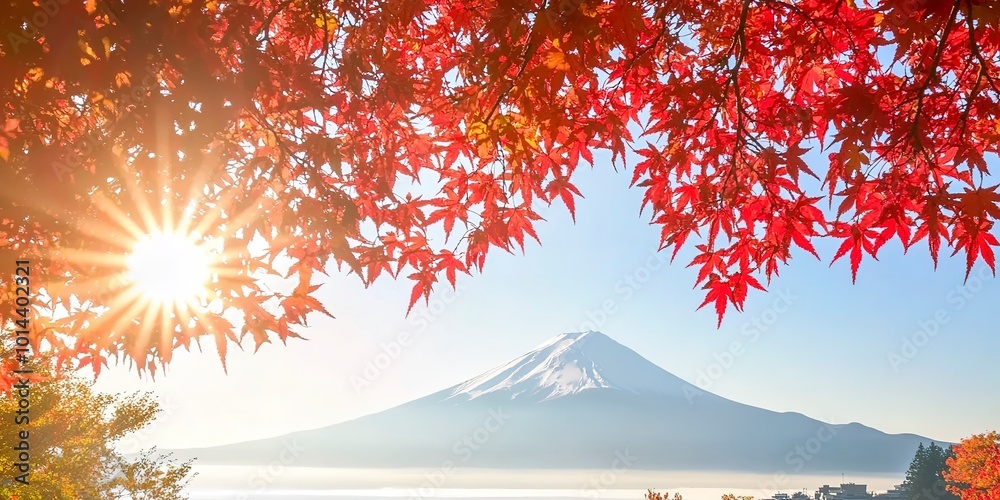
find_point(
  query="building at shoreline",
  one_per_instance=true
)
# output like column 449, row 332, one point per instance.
column 851, row 491
column 897, row 493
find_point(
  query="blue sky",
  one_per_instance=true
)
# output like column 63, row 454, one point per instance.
column 815, row 344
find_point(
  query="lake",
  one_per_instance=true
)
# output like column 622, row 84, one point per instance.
column 276, row 482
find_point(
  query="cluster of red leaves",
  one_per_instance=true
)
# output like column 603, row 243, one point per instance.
column 974, row 472
column 408, row 137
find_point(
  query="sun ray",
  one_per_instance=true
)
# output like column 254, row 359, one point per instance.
column 119, row 217
column 214, row 214
column 152, row 265
column 92, row 257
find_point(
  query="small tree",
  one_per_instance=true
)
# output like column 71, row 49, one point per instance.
column 71, row 435
column 924, row 479
column 974, row 470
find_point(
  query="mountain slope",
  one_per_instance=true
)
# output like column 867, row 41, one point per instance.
column 570, row 364
column 582, row 400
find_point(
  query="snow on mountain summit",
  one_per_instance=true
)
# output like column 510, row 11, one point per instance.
column 569, row 364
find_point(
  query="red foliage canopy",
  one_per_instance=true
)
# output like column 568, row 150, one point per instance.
column 974, row 472
column 306, row 126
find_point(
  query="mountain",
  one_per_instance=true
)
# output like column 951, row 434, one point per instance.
column 571, row 364
column 582, row 401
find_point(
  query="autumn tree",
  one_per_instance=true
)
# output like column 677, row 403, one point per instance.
column 407, row 138
column 973, row 473
column 71, row 439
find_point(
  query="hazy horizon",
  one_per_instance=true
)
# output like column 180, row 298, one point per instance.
column 344, row 484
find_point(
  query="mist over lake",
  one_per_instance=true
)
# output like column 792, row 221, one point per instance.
column 223, row 482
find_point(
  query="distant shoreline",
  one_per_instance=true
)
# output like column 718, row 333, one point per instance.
column 242, row 479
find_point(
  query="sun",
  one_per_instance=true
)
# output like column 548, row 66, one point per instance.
column 169, row 268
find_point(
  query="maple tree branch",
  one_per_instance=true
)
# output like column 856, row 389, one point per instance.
column 932, row 70
column 850, row 39
column 642, row 52
column 631, row 62
column 964, row 118
column 526, row 56
column 327, row 41
column 286, row 152
column 983, row 64
column 734, row 72
column 741, row 44
column 804, row 15
column 115, row 11
column 266, row 25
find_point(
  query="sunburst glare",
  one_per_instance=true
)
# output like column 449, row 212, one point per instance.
column 168, row 268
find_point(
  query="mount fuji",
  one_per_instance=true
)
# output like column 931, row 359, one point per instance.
column 577, row 402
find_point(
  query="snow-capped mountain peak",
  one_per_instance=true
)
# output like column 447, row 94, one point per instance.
column 569, row 364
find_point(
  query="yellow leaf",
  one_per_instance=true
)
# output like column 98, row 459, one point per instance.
column 85, row 47
column 557, row 61
column 122, row 79
column 331, row 23
column 531, row 139
column 479, row 131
